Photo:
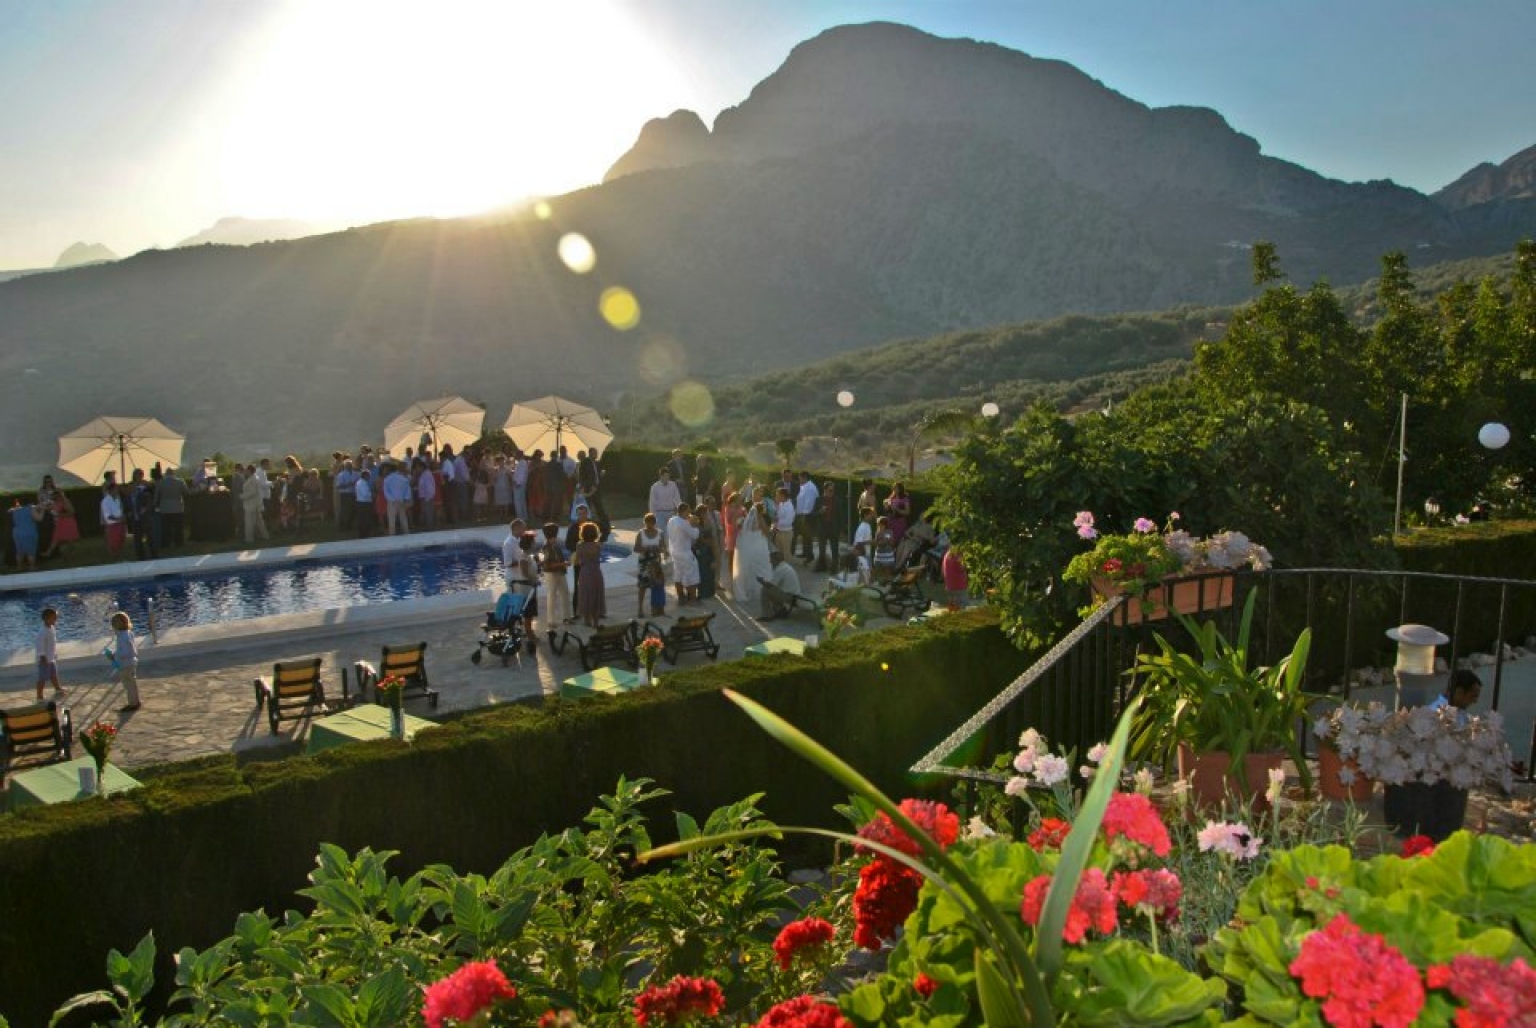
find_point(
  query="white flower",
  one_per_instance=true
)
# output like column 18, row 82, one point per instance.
column 1143, row 778
column 1097, row 754
column 1087, row 772
column 1051, row 770
column 1017, row 786
column 976, row 829
column 1024, row 763
column 1181, row 791
column 1030, row 739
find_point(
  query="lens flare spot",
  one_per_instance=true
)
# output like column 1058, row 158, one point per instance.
column 990, row 410
column 845, row 399
column 692, row 404
column 619, row 308
column 662, row 361
column 543, row 211
column 577, row 252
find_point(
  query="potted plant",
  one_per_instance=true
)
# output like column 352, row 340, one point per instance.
column 1217, row 715
column 1426, row 758
column 1148, row 564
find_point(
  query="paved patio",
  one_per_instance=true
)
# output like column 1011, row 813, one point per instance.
column 202, row 701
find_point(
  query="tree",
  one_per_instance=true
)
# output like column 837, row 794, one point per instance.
column 786, row 449
column 1266, row 264
column 947, row 420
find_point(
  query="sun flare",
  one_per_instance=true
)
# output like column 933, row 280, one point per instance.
column 367, row 111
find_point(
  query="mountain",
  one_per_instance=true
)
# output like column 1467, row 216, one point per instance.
column 883, row 183
column 77, row 254
column 247, row 231
column 1515, row 179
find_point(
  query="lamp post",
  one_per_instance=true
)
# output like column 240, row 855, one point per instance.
column 1417, row 681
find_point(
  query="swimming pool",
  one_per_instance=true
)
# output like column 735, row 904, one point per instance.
column 187, row 600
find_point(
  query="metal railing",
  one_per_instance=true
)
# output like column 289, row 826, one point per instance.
column 1074, row 693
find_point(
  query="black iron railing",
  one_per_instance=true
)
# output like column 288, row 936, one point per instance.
column 1074, row 693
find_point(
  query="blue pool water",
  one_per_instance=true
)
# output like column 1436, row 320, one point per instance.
column 182, row 601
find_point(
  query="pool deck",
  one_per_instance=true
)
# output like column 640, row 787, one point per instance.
column 195, row 684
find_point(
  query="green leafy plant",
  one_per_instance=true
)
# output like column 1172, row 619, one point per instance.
column 1472, row 896
column 1212, row 700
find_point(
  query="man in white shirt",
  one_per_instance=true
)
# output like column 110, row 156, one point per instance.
column 784, row 522
column 805, row 515
column 512, row 550
column 664, row 496
column 362, row 505
column 520, row 487
column 779, row 588
column 682, row 533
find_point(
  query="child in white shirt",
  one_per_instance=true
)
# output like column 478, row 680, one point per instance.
column 48, row 654
column 127, row 658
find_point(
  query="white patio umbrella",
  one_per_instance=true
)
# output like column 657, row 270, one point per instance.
column 120, row 444
column 551, row 422
column 450, row 421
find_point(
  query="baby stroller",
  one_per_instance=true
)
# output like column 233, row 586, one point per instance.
column 504, row 629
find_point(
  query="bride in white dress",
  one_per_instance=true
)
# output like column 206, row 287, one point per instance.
column 751, row 560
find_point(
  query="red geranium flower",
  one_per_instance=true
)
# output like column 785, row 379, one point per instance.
column 798, row 936
column 1363, row 980
column 804, row 1012
column 924, row 985
column 1418, row 846
column 1050, row 835
column 887, row 893
column 934, row 818
column 1155, row 892
column 1112, row 565
column 1132, row 815
column 1494, row 994
column 466, row 992
column 678, row 1001
column 1092, row 907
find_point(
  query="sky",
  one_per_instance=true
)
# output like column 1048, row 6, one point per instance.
column 138, row 123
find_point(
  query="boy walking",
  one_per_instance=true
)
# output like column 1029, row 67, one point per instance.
column 48, row 655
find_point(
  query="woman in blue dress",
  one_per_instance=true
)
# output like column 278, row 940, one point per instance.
column 24, row 519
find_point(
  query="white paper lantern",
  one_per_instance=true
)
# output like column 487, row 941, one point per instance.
column 845, row 399
column 1493, row 435
column 990, row 410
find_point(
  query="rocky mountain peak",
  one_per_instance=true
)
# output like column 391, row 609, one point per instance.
column 79, row 253
column 1515, row 179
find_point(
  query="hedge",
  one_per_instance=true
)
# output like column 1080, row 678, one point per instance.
column 203, row 840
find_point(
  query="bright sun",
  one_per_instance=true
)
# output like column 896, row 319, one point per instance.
column 346, row 111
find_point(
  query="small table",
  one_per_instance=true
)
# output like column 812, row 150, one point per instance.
column 783, row 644
column 359, row 724
column 607, row 681
column 60, row 783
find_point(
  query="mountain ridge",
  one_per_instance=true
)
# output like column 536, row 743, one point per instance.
column 823, row 223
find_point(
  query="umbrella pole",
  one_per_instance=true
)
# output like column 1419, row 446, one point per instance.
column 122, row 459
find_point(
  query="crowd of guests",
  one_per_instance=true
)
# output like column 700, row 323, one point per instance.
column 377, row 493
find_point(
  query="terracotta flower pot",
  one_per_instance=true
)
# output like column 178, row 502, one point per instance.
column 1211, row 779
column 1329, row 764
column 1195, row 592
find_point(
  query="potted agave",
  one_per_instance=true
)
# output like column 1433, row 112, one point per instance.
column 1426, row 758
column 1226, row 723
column 1165, row 570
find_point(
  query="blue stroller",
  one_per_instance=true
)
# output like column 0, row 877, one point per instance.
column 504, row 628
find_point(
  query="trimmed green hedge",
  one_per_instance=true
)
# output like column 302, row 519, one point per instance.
column 209, row 838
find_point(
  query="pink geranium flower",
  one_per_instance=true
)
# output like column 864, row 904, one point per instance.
column 465, row 993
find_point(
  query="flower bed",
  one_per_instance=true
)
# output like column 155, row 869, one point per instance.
column 1081, row 906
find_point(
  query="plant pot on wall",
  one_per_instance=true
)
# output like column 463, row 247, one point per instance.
column 1329, row 766
column 1191, row 593
column 1212, row 779
column 1415, row 808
